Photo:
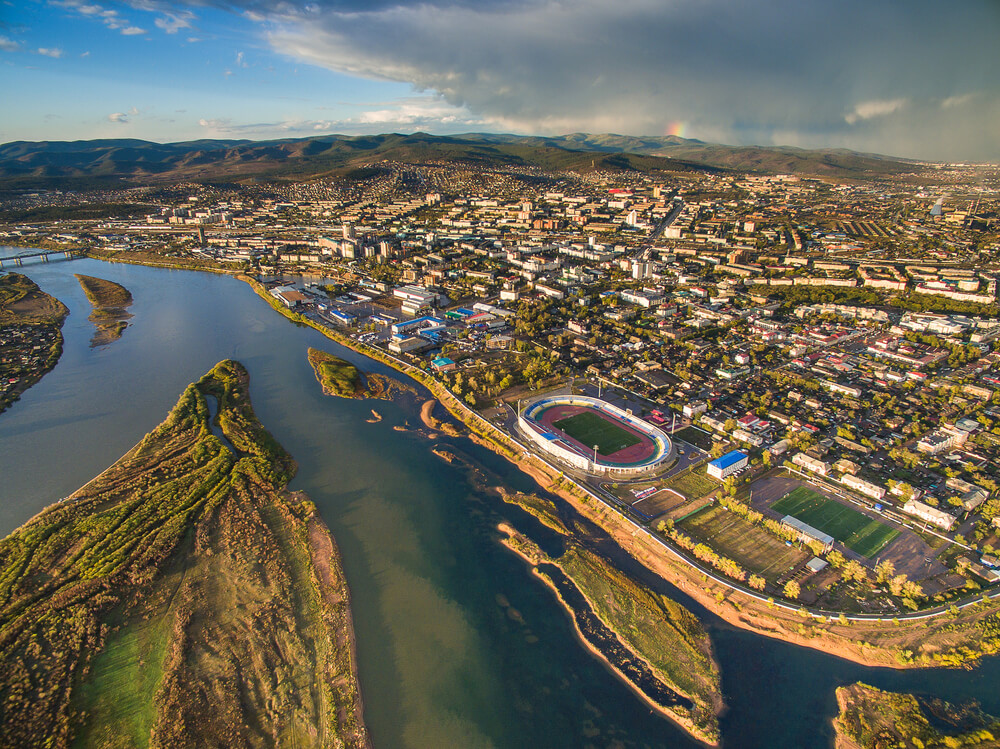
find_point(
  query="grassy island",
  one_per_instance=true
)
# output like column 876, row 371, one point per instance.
column 344, row 380
column 31, row 338
column 648, row 628
column 872, row 719
column 182, row 597
column 110, row 302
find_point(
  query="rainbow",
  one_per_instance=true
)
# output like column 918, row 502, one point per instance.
column 677, row 128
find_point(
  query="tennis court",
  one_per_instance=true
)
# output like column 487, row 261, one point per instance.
column 855, row 530
column 589, row 428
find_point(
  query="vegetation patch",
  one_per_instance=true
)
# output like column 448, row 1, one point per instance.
column 110, row 302
column 855, row 530
column 751, row 546
column 693, row 484
column 342, row 379
column 870, row 718
column 180, row 598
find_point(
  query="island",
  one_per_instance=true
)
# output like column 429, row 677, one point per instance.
column 110, row 302
column 871, row 718
column 182, row 597
column 342, row 379
column 31, row 339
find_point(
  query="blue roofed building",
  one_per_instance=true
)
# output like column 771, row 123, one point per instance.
column 728, row 464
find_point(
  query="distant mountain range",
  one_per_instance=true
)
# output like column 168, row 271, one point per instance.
column 80, row 164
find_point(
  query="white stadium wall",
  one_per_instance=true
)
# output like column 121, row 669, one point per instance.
column 569, row 455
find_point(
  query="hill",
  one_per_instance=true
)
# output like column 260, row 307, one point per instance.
column 110, row 163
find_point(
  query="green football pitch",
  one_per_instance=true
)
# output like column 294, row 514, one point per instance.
column 590, row 429
column 855, row 530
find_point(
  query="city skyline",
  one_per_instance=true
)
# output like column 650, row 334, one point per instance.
column 903, row 79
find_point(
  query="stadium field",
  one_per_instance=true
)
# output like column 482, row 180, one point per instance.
column 856, row 531
column 588, row 428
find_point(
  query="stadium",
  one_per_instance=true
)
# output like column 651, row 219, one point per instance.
column 569, row 427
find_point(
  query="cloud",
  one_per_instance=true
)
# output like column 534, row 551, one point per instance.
column 173, row 22
column 53, row 52
column 85, row 54
column 120, row 117
column 868, row 109
column 819, row 72
column 133, row 31
column 240, row 60
column 8, row 45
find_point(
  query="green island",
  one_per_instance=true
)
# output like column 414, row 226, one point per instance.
column 342, row 379
column 110, row 302
column 182, row 597
column 661, row 633
column 870, row 718
column 31, row 339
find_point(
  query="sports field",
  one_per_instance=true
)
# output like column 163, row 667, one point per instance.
column 744, row 543
column 856, row 531
column 588, row 428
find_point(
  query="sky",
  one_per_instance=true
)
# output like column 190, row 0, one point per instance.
column 909, row 78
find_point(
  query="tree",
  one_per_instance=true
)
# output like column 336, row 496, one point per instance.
column 756, row 582
column 884, row 570
column 792, row 589
column 766, row 458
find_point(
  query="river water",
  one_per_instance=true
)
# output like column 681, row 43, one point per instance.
column 458, row 644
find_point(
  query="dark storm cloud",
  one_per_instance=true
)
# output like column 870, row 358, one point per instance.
column 910, row 77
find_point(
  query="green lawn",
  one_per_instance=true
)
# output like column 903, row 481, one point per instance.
column 855, row 530
column 590, row 429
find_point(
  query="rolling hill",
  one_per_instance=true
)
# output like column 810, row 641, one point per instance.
column 81, row 164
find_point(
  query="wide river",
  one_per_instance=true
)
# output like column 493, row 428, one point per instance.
column 458, row 645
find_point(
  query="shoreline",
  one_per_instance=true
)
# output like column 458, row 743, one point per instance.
column 681, row 721
column 775, row 619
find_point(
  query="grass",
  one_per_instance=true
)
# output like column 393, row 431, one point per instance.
column 589, row 428
column 693, row 484
column 855, row 530
column 104, row 293
column 118, row 696
column 667, row 635
column 337, row 376
column 743, row 542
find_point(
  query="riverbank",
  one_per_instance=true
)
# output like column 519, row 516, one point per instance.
column 32, row 322
column 181, row 597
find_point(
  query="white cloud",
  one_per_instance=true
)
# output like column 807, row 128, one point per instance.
column 54, row 52
column 9, row 45
column 85, row 54
column 120, row 117
column 866, row 110
column 173, row 22
column 133, row 31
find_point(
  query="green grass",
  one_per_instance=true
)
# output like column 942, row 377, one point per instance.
column 694, row 484
column 743, row 542
column 591, row 429
column 856, row 531
column 117, row 698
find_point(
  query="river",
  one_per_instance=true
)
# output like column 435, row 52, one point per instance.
column 458, row 644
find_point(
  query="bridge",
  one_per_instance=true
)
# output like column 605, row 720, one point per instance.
column 45, row 256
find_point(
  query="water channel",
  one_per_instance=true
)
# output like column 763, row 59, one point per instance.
column 458, row 644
